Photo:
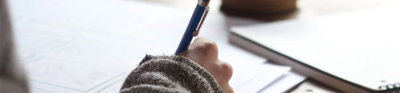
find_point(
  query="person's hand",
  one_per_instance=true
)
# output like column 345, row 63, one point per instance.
column 205, row 53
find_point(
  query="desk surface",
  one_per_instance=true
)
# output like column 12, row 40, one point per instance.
column 307, row 9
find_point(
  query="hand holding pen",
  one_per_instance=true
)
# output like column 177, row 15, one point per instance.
column 195, row 23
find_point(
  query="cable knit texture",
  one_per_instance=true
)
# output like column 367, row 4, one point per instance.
column 169, row 74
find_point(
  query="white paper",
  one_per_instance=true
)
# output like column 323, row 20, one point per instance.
column 249, row 72
column 68, row 73
column 284, row 83
column 114, row 88
column 269, row 74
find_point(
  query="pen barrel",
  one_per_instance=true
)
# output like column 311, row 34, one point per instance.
column 191, row 28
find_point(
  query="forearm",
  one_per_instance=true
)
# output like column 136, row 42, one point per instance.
column 170, row 74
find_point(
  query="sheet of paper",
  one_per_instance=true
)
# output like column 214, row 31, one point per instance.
column 64, row 73
column 85, row 47
column 114, row 88
column 249, row 74
column 269, row 73
column 284, row 83
column 91, row 45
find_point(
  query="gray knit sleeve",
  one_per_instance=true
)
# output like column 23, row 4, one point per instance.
column 169, row 74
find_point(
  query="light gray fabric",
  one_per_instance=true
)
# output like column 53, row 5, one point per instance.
column 169, row 74
column 12, row 76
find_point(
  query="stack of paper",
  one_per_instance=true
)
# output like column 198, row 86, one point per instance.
column 92, row 45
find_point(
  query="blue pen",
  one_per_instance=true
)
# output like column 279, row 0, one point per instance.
column 194, row 26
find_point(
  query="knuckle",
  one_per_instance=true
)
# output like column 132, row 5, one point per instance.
column 207, row 47
column 227, row 69
column 210, row 46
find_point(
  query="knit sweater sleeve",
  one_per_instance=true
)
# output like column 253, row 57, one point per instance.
column 169, row 74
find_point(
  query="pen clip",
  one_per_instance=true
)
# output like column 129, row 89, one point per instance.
column 195, row 33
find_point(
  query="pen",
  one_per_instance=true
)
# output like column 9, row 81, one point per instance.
column 193, row 28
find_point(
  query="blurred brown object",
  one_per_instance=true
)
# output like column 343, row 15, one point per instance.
column 267, row 10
